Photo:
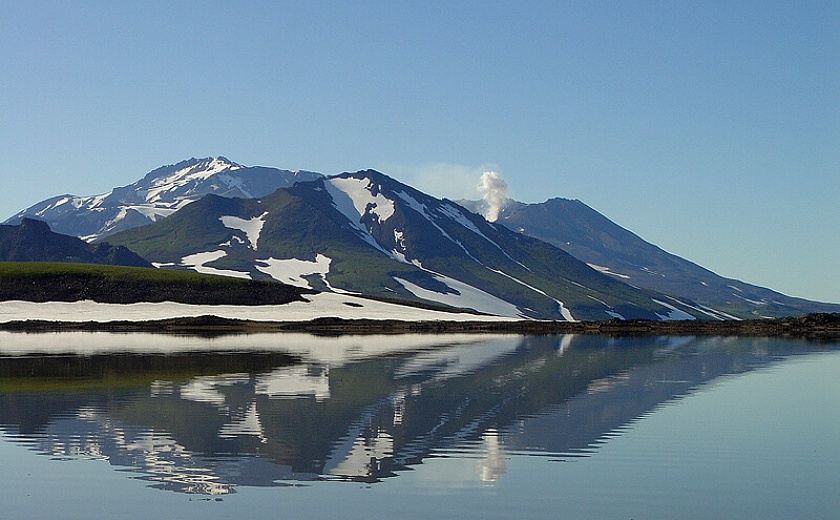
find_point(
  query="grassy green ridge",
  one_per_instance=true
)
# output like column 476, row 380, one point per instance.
column 43, row 281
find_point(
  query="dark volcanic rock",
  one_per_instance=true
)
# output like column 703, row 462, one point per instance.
column 33, row 241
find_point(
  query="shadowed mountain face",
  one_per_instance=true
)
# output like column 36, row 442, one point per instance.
column 265, row 418
column 367, row 233
column 591, row 237
column 33, row 241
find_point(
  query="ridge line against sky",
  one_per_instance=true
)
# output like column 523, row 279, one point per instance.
column 709, row 129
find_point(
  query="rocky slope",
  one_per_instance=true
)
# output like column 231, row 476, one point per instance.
column 367, row 233
column 33, row 241
column 604, row 245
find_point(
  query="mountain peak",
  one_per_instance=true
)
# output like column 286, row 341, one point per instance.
column 158, row 194
column 34, row 224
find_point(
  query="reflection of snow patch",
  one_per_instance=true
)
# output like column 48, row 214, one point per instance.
column 466, row 297
column 291, row 271
column 205, row 389
column 247, row 425
column 197, row 261
column 252, row 227
column 456, row 360
column 363, row 456
column 292, row 382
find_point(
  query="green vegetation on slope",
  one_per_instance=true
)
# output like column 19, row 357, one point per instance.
column 41, row 281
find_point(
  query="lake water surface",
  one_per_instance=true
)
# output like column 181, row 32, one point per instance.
column 97, row 425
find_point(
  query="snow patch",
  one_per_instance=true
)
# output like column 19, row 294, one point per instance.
column 754, row 302
column 237, row 183
column 347, row 206
column 292, row 271
column 317, row 305
column 230, row 242
column 719, row 315
column 362, row 198
column 399, row 249
column 252, row 227
column 153, row 213
column 424, row 211
column 197, row 262
column 675, row 314
column 465, row 297
column 458, row 216
column 606, row 270
column 567, row 315
column 708, row 311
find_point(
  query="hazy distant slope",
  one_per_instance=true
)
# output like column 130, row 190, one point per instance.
column 590, row 236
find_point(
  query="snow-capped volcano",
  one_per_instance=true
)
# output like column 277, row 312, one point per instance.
column 366, row 233
column 160, row 193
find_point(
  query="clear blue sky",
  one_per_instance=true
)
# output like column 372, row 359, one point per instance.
column 711, row 129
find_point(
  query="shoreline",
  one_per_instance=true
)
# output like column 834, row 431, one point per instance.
column 817, row 327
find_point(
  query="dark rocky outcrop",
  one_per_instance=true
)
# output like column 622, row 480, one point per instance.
column 33, row 241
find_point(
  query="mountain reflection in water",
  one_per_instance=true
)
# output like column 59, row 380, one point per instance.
column 207, row 415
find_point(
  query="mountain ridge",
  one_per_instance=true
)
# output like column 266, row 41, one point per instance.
column 156, row 195
column 34, row 241
column 601, row 243
column 365, row 218
column 364, row 232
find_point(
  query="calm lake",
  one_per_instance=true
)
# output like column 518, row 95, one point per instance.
column 99, row 425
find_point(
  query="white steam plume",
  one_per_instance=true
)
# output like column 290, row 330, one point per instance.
column 493, row 190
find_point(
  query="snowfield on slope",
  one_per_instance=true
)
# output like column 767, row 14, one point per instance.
column 251, row 227
column 197, row 261
column 291, row 271
column 465, row 296
column 320, row 305
column 363, row 199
